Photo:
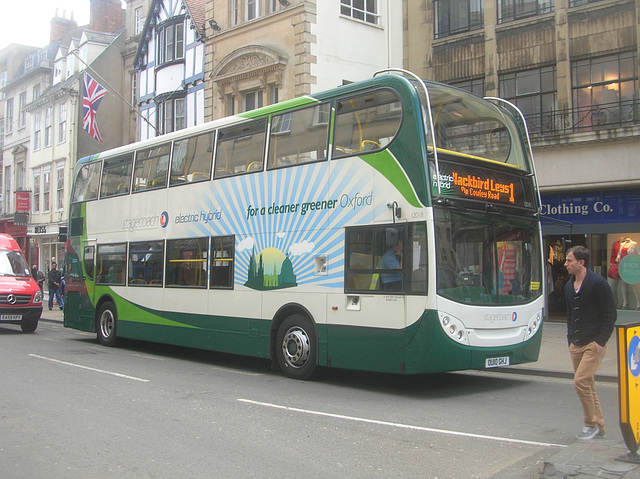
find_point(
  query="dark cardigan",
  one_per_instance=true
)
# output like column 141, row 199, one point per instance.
column 591, row 312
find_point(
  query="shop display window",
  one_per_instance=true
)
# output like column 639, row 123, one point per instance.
column 615, row 256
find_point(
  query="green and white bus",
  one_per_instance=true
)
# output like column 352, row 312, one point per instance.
column 387, row 225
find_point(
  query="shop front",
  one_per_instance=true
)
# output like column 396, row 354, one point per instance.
column 44, row 240
column 607, row 222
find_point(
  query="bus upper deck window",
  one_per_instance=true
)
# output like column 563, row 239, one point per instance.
column 366, row 123
column 240, row 148
column 116, row 176
column 87, row 183
column 191, row 159
column 152, row 165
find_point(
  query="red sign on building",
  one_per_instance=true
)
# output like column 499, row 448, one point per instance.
column 23, row 201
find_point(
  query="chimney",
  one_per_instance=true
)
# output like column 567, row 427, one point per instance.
column 106, row 16
column 60, row 26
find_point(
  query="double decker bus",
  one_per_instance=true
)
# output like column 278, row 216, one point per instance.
column 388, row 225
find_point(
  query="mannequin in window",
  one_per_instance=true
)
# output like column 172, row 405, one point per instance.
column 612, row 276
column 628, row 246
column 508, row 266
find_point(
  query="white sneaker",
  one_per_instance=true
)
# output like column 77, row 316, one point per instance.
column 589, row 433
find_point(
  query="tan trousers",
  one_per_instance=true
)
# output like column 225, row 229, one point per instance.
column 586, row 360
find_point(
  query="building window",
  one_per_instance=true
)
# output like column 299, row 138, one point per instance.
column 62, row 122
column 36, row 92
column 171, row 115
column 9, row 116
column 7, row 190
column 457, row 16
column 19, row 175
column 46, row 189
column 37, row 132
column 134, row 89
column 231, row 105
column 1, row 135
column 272, row 5
column 604, row 90
column 510, row 10
column 170, row 39
column 275, row 94
column 60, row 187
column 22, row 116
column 3, row 82
column 577, row 3
column 139, row 14
column 252, row 100
column 474, row 86
column 251, row 9
column 36, row 191
column 235, row 13
column 534, row 93
column 47, row 127
column 365, row 10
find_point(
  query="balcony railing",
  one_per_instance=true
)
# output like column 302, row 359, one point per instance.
column 591, row 118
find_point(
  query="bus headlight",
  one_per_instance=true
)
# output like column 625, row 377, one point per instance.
column 454, row 328
column 534, row 325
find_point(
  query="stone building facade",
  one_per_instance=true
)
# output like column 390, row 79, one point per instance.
column 572, row 67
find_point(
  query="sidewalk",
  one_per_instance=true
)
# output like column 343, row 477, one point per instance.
column 581, row 460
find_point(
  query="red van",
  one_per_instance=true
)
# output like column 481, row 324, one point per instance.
column 20, row 295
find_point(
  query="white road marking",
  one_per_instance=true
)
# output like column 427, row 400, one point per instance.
column 110, row 373
column 146, row 356
column 403, row 426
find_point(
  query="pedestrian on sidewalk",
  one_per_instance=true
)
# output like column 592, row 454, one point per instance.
column 591, row 316
column 55, row 280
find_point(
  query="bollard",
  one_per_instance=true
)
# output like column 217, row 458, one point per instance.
column 628, row 336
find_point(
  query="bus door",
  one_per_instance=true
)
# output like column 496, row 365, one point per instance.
column 78, row 309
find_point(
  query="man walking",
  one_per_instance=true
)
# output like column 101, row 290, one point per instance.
column 591, row 316
column 55, row 279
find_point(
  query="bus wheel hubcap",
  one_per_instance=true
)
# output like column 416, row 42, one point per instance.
column 106, row 324
column 295, row 347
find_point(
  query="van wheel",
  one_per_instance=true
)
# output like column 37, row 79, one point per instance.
column 29, row 326
column 296, row 347
column 107, row 324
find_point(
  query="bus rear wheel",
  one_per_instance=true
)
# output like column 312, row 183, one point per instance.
column 296, row 347
column 107, row 324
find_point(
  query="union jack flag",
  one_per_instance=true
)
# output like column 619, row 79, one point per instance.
column 92, row 96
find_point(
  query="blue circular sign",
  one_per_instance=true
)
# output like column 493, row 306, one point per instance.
column 630, row 269
column 634, row 356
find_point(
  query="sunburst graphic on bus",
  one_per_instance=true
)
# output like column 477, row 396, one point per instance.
column 270, row 269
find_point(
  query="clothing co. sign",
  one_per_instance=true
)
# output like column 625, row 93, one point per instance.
column 621, row 206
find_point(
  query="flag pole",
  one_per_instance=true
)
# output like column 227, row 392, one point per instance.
column 112, row 89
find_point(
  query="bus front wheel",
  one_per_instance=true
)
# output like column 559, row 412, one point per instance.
column 296, row 348
column 107, row 324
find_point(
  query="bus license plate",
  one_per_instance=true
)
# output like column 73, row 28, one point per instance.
column 496, row 362
column 11, row 317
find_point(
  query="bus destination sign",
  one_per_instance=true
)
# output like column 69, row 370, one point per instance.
column 481, row 184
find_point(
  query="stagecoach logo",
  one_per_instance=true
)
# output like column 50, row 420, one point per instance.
column 493, row 318
column 146, row 222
